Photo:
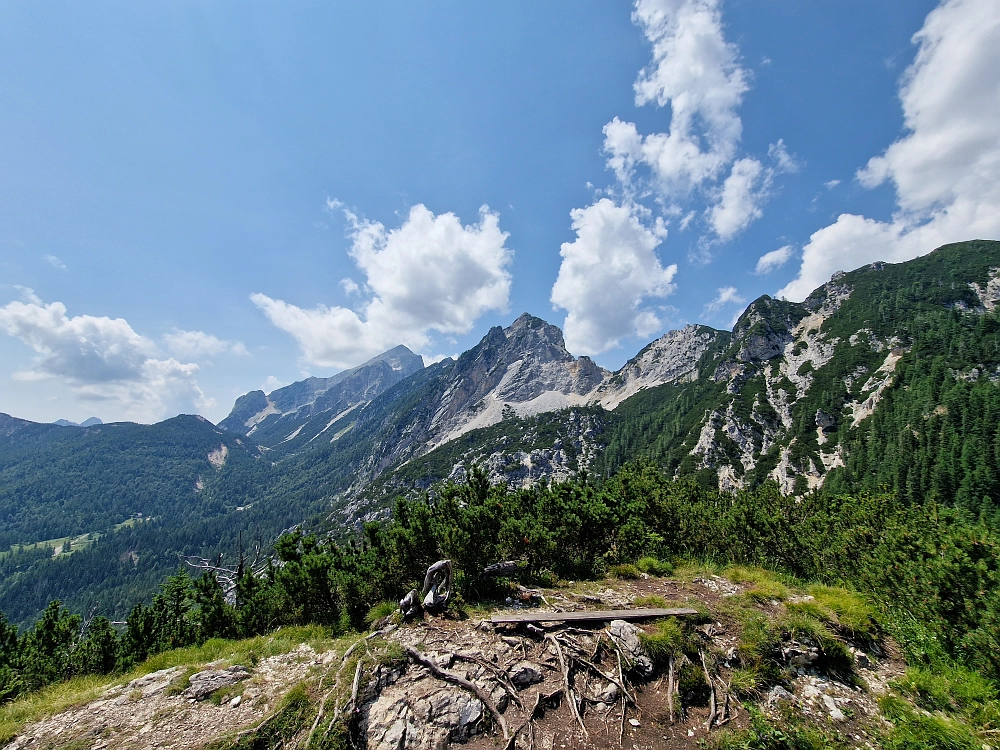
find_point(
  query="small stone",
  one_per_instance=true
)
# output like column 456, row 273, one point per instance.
column 525, row 674
column 236, row 701
column 779, row 694
column 634, row 722
column 862, row 660
column 609, row 694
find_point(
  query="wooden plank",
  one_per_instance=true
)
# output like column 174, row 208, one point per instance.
column 595, row 615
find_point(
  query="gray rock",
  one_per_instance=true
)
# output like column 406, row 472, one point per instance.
column 609, row 694
column 626, row 636
column 831, row 705
column 778, row 694
column 524, row 674
column 203, row 684
column 421, row 715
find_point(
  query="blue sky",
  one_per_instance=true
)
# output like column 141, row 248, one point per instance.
column 198, row 199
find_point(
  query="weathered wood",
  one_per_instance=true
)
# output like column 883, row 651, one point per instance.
column 603, row 615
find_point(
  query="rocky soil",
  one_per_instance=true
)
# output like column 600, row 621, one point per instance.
column 439, row 682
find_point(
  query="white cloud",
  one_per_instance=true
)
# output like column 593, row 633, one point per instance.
column 102, row 359
column 740, row 199
column 697, row 72
column 54, row 262
column 785, row 161
column 194, row 344
column 774, row 259
column 606, row 274
column 432, row 273
column 727, row 295
column 945, row 169
column 350, row 286
column 831, row 184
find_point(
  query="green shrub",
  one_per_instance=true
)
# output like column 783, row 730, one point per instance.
column 626, row 571
column 654, row 567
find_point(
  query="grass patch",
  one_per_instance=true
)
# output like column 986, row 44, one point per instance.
column 786, row 731
column 670, row 637
column 654, row 567
column 688, row 570
column 181, row 682
column 380, row 611
column 853, row 614
column 917, row 730
column 762, row 585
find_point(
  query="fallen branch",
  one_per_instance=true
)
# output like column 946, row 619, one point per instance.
column 621, row 675
column 462, row 682
column 711, row 687
column 609, row 678
column 566, row 687
column 670, row 689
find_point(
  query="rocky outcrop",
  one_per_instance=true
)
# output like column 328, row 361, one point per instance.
column 208, row 681
column 672, row 358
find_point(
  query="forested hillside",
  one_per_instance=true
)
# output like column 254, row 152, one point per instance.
column 883, row 380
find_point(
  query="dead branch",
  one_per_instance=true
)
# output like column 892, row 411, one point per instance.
column 566, row 687
column 500, row 675
column 711, row 687
column 621, row 676
column 462, row 682
column 594, row 667
column 670, row 689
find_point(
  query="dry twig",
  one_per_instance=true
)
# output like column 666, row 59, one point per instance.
column 566, row 686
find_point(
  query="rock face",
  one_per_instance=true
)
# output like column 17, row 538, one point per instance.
column 523, row 369
column 672, row 358
column 626, row 636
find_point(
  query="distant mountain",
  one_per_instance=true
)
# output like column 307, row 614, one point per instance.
column 85, row 423
column 279, row 416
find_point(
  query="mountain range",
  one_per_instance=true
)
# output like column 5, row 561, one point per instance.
column 886, row 377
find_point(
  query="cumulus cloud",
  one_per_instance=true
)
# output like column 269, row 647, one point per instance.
column 945, row 169
column 740, row 198
column 606, row 275
column 194, row 344
column 102, row 359
column 697, row 72
column 431, row 273
column 727, row 295
column 774, row 259
column 54, row 262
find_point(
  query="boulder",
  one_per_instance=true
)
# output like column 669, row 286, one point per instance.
column 421, row 715
column 204, row 683
column 626, row 637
